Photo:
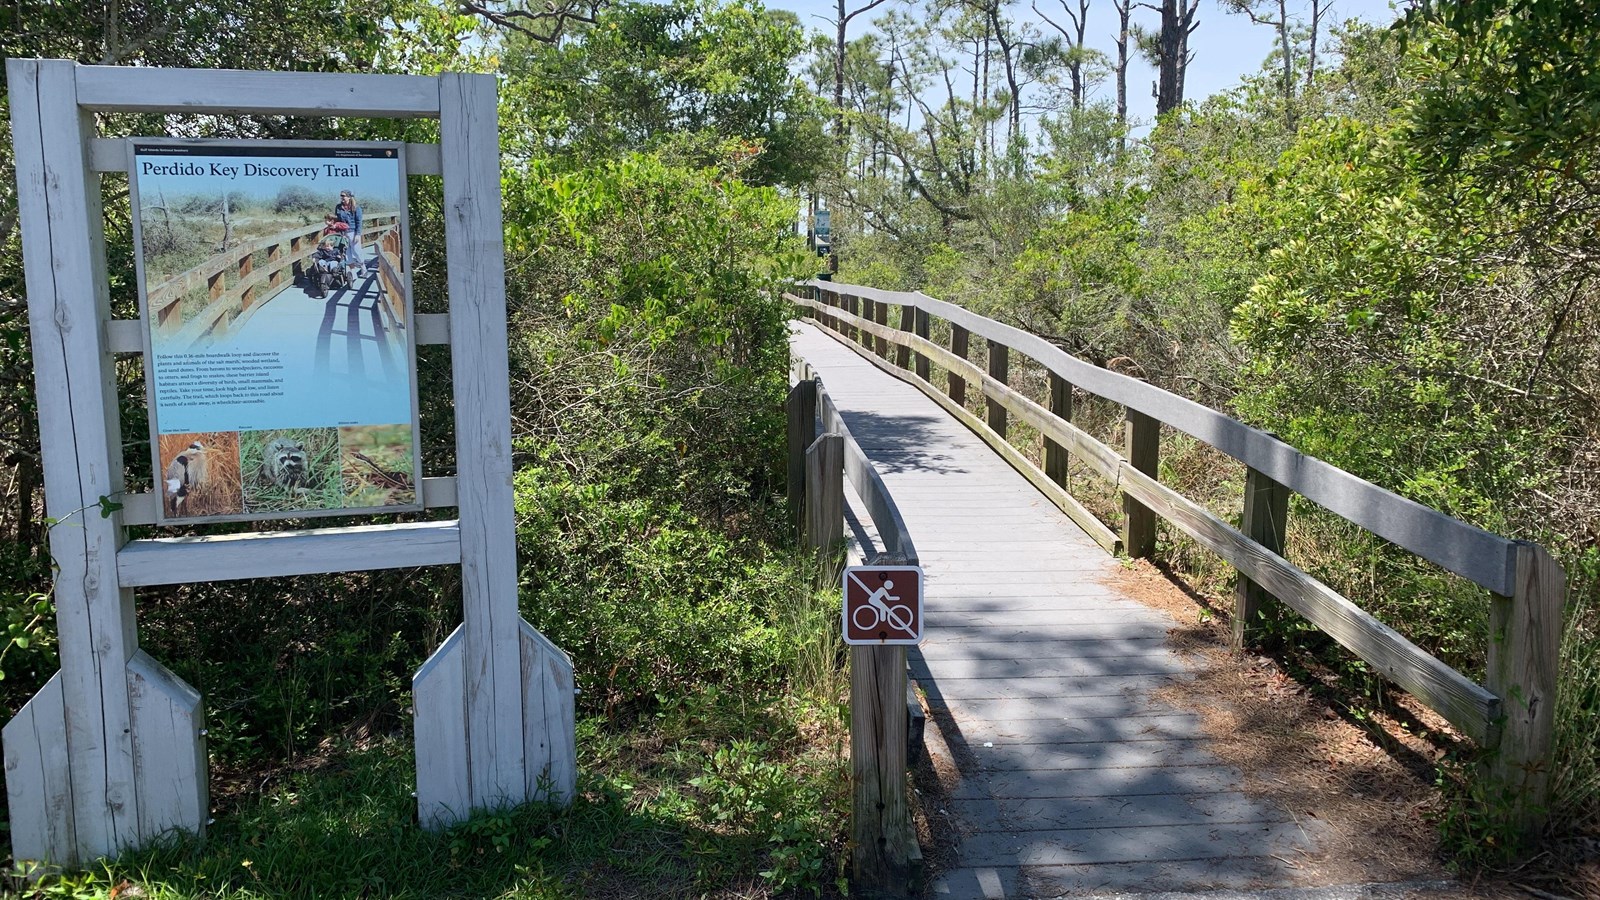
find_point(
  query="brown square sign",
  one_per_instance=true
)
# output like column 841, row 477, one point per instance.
column 883, row 605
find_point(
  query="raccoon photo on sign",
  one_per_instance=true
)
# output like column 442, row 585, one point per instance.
column 291, row 469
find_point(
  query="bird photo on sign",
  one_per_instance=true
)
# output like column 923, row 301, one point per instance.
column 200, row 474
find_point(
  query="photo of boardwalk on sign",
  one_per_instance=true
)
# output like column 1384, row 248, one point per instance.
column 276, row 296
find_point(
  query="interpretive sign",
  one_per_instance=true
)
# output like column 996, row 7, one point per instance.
column 280, row 364
column 883, row 605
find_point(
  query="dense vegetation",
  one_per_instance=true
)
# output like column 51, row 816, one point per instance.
column 1366, row 248
column 649, row 359
column 1382, row 249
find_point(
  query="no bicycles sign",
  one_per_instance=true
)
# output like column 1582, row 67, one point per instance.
column 883, row 605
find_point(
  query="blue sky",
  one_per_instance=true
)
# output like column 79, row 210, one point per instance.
column 1227, row 46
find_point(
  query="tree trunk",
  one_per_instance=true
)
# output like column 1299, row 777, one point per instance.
column 1123, row 8
column 1311, row 59
column 838, row 77
column 1170, row 48
column 1286, row 47
column 227, row 223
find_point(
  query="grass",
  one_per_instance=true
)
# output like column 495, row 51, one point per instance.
column 681, row 806
column 719, row 787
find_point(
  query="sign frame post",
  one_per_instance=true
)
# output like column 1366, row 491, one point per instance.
column 110, row 754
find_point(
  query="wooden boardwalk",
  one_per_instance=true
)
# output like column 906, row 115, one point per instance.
column 1039, row 678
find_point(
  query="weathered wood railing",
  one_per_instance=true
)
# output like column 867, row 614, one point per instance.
column 885, row 852
column 234, row 283
column 1512, row 716
column 391, row 264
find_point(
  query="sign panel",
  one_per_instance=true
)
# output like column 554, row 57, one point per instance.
column 280, row 361
column 883, row 605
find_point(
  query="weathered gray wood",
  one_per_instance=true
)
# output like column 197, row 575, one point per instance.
column 880, row 820
column 167, row 749
column 921, row 330
column 958, row 347
column 1467, row 705
column 1101, row 459
column 868, row 485
column 229, row 91
column 1064, row 501
column 549, row 720
column 824, row 506
column 1455, row 696
column 976, row 562
column 432, row 328
column 908, row 323
column 1483, row 558
column 1055, row 455
column 801, row 407
column 468, row 122
column 438, row 723
column 1524, row 658
column 999, row 370
column 1144, row 455
column 38, row 782
column 1265, row 521
column 64, row 266
column 272, row 554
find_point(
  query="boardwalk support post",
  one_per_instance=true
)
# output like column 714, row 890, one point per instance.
column 958, row 345
column 880, row 315
column 1144, row 454
column 880, row 820
column 824, row 506
column 1524, row 653
column 921, row 330
column 1266, row 519
column 802, row 409
column 1055, row 455
column 908, row 322
column 999, row 370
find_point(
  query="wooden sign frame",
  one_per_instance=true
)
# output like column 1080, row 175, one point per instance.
column 110, row 754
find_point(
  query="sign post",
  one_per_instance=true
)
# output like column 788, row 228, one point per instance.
column 110, row 755
column 882, row 615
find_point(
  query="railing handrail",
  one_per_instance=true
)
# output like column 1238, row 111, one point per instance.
column 1480, row 556
column 1513, row 714
column 864, row 478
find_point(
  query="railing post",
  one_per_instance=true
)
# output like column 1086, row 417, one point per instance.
column 852, row 305
column 1265, row 521
column 1144, row 454
column 275, row 275
column 958, row 346
column 868, row 312
column 248, row 295
column 1524, row 654
column 880, row 819
column 908, row 321
column 802, row 409
column 1055, row 455
column 999, row 370
column 880, row 314
column 921, row 329
column 824, row 505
